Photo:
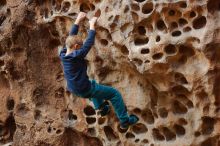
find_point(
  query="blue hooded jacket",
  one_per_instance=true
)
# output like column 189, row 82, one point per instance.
column 74, row 64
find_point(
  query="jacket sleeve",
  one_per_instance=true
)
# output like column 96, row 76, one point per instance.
column 83, row 51
column 74, row 30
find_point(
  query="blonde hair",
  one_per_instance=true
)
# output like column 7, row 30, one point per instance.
column 72, row 40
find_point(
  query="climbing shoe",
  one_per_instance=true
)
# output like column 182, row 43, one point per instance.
column 131, row 121
column 104, row 109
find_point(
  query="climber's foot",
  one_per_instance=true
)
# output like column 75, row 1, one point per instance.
column 104, row 109
column 131, row 121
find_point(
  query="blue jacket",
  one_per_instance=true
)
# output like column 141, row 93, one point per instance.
column 74, row 64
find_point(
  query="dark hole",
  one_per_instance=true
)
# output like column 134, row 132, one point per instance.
column 147, row 116
column 176, row 33
column 129, row 135
column 190, row 104
column 161, row 25
column 139, row 1
column 138, row 61
column 207, row 125
column 49, row 129
column 90, row 120
column 84, row 8
column 192, row 14
column 199, row 22
column 2, row 19
column 58, row 131
column 2, row 3
column 182, row 22
column 182, row 121
column 72, row 14
column 174, row 25
column 135, row 7
column 110, row 134
column 66, row 7
column 139, row 128
column 145, row 51
column 137, row 111
column 157, row 135
column 92, row 7
column 183, row 5
column 141, row 30
column 37, row 114
column 169, row 135
column 163, row 112
column 89, row 111
column 71, row 116
column 2, row 63
column 101, row 120
column 147, row 8
column 186, row 50
column 145, row 141
column 157, row 56
column 11, row 126
column 126, row 9
column 180, row 78
column 187, row 29
column 124, row 50
column 137, row 140
column 171, row 12
column 182, row 59
column 178, row 108
column 10, row 104
column 170, row 49
column 91, row 131
column 179, row 130
column 197, row 134
column 98, row 13
column 104, row 42
column 158, row 38
column 140, row 41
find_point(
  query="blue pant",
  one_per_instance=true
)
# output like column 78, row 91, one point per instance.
column 98, row 93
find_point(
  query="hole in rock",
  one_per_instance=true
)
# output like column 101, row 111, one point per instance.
column 49, row 129
column 171, row 12
column 189, row 104
column 110, row 134
column 145, row 51
column 71, row 116
column 84, row 8
column 145, row 141
column 11, row 126
column 163, row 112
column 182, row 121
column 147, row 8
column 135, row 7
column 72, row 14
column 170, row 49
column 2, row 63
column 182, row 21
column 101, row 120
column 66, row 7
column 183, row 4
column 98, row 13
column 207, row 125
column 141, row 30
column 137, row 140
column 199, row 22
column 147, row 116
column 92, row 7
column 174, row 25
column 91, row 131
column 89, row 111
column 10, row 104
column 158, row 38
column 90, row 120
column 157, row 56
column 157, row 135
column 197, row 134
column 169, row 135
column 126, row 9
column 124, row 50
column 37, row 114
column 186, row 50
column 138, row 61
column 129, row 135
column 192, row 14
column 137, row 111
column 104, row 42
column 135, row 16
column 180, row 90
column 147, row 61
column 180, row 131
column 2, row 3
column 2, row 19
column 176, row 33
column 161, row 25
column 180, row 78
column 139, row 128
column 58, row 131
column 139, row 1
column 141, row 41
column 178, row 108
column 187, row 29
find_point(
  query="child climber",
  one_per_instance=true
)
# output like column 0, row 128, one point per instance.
column 78, row 83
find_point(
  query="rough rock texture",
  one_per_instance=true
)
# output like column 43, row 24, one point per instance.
column 163, row 56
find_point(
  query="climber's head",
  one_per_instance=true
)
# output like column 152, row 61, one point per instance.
column 74, row 42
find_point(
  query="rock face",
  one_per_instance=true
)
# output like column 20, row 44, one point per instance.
column 162, row 55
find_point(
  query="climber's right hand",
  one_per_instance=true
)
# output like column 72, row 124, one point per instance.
column 80, row 17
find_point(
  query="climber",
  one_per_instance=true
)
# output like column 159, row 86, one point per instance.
column 75, row 72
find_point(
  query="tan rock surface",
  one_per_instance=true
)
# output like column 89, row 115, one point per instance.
column 163, row 56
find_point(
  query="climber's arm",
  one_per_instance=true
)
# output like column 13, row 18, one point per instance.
column 75, row 28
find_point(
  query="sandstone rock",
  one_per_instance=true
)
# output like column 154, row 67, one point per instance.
column 163, row 56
